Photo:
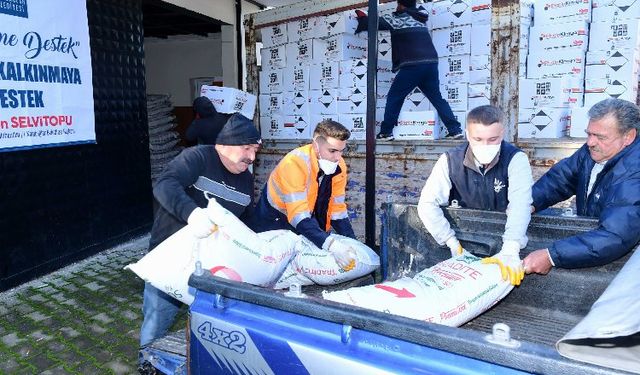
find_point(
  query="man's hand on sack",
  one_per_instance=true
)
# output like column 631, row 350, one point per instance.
column 362, row 21
column 538, row 261
column 344, row 254
column 454, row 246
column 508, row 259
column 200, row 224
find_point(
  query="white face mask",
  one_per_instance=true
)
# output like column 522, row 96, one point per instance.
column 484, row 154
column 328, row 167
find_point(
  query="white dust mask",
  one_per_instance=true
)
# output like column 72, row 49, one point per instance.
column 327, row 166
column 484, row 154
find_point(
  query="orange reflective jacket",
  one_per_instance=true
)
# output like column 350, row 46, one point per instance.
column 292, row 188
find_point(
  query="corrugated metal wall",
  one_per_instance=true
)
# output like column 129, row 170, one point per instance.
column 62, row 204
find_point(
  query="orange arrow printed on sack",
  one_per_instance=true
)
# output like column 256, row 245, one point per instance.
column 400, row 293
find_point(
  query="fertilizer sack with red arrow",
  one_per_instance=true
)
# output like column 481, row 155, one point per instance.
column 451, row 292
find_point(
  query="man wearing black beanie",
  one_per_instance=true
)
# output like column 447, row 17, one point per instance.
column 415, row 61
column 183, row 190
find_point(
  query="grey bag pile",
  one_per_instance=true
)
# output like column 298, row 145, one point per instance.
column 163, row 140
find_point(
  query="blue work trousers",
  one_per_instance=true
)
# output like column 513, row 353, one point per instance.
column 425, row 77
column 159, row 310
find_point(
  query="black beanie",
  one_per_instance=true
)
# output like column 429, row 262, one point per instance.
column 238, row 131
column 204, row 107
column 408, row 3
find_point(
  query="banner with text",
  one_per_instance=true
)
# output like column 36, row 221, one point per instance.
column 46, row 90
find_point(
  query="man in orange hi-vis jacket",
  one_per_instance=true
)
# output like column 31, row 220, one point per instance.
column 305, row 193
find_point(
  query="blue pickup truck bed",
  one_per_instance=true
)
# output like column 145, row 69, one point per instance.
column 236, row 328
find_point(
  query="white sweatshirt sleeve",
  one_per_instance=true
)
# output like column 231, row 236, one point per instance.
column 519, row 207
column 435, row 194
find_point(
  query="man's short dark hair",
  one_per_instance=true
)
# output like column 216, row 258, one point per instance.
column 627, row 114
column 485, row 115
column 333, row 129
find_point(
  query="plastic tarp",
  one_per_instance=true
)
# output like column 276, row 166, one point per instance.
column 609, row 335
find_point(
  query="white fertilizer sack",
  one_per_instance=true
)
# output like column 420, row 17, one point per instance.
column 313, row 265
column 233, row 251
column 451, row 292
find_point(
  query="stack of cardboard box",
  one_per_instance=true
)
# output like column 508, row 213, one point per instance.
column 555, row 68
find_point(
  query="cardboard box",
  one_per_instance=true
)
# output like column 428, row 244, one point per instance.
column 578, row 122
column 274, row 35
column 630, row 10
column 303, row 52
column 551, row 92
column 271, row 81
column 454, row 69
column 302, row 29
column 273, row 127
column 554, row 36
column 562, row 62
column 384, row 46
column 462, row 119
column 457, row 95
column 352, row 100
column 271, row 104
column 323, row 102
column 296, row 77
column 477, row 102
column 613, row 64
column 600, row 89
column 296, row 103
column 480, row 12
column 357, row 124
column 480, row 62
column 560, row 11
column 353, row 73
column 230, row 100
column 480, row 39
column 621, row 34
column 415, row 101
column 479, row 91
column 417, row 126
column 344, row 47
column 301, row 125
column 481, row 76
column 543, row 122
column 452, row 40
column 324, row 75
column 449, row 13
column 338, row 23
column 274, row 57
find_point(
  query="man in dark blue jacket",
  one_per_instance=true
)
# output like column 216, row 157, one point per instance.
column 415, row 60
column 604, row 175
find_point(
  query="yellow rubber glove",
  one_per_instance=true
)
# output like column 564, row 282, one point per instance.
column 454, row 246
column 508, row 259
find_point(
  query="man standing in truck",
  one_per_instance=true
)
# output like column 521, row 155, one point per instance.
column 183, row 189
column 484, row 173
column 604, row 176
column 415, row 61
column 305, row 193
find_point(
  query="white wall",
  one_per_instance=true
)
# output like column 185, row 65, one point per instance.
column 170, row 63
column 223, row 10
